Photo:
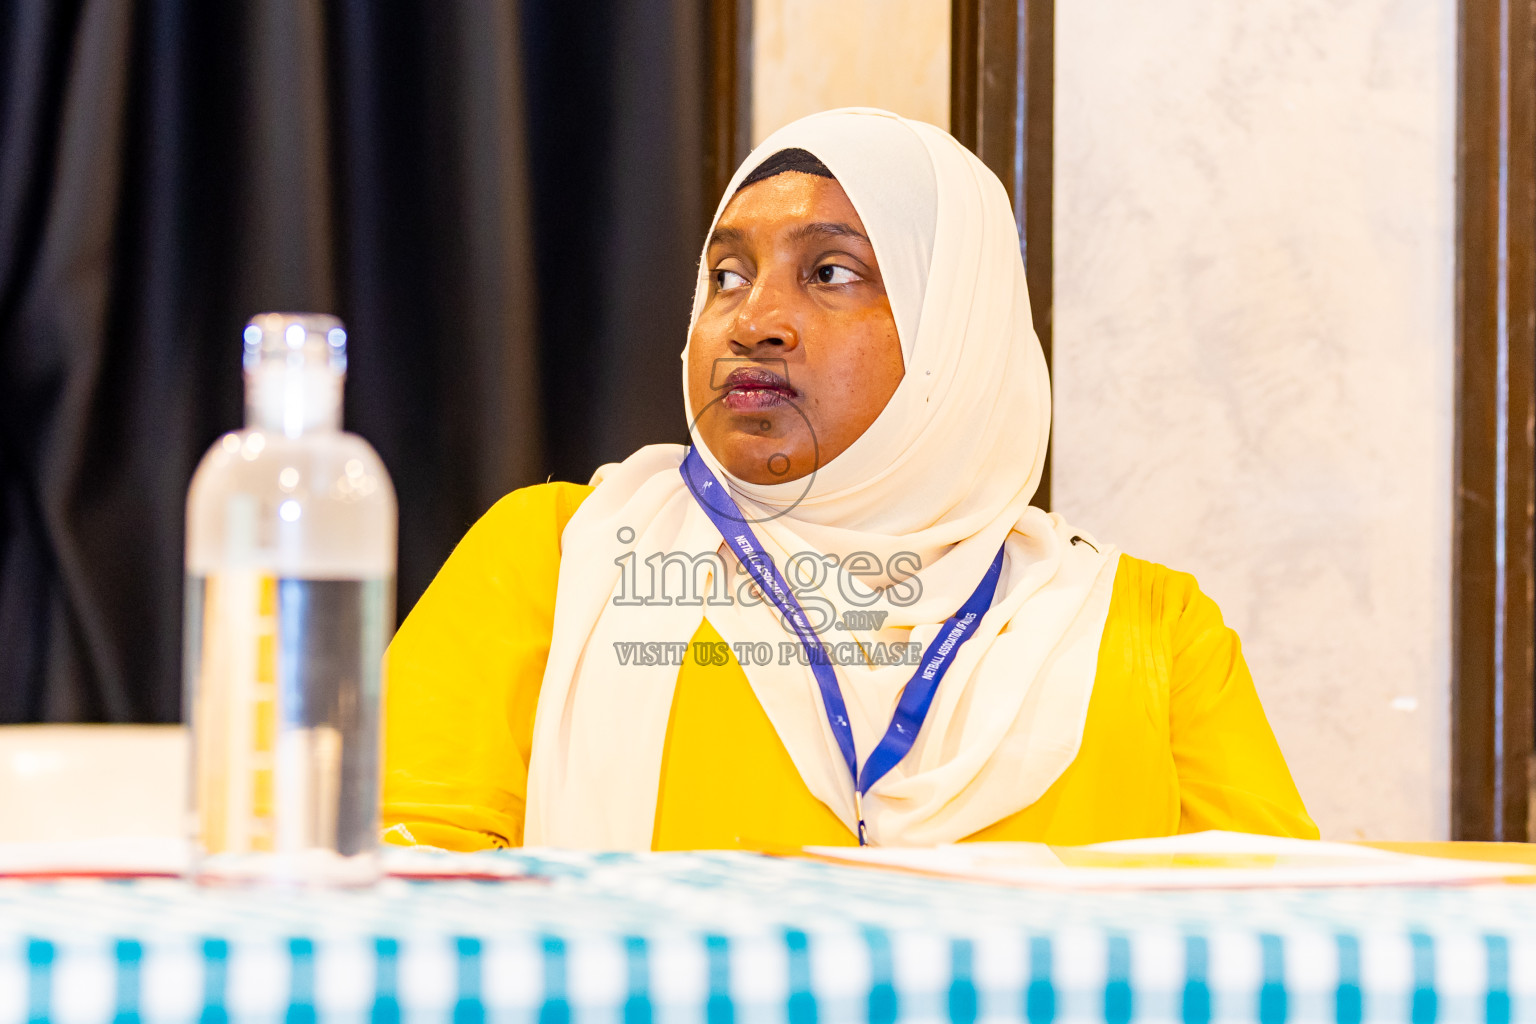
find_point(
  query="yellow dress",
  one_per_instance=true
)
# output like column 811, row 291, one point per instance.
column 1175, row 739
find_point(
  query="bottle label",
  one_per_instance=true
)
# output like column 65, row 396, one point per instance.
column 234, row 711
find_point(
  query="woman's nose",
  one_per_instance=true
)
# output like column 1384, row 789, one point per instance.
column 765, row 320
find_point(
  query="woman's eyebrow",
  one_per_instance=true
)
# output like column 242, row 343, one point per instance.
column 822, row 229
column 817, row 229
column 721, row 236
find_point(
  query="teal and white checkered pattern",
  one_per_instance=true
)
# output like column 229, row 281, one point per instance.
column 729, row 938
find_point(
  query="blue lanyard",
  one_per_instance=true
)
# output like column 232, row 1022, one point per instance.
column 916, row 696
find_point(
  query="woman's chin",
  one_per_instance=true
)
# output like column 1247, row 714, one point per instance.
column 759, row 460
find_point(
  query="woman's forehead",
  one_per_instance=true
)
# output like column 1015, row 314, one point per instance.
column 789, row 204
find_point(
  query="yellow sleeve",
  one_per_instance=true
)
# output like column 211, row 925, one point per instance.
column 1232, row 775
column 463, row 676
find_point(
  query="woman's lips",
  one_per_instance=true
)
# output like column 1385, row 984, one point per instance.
column 753, row 389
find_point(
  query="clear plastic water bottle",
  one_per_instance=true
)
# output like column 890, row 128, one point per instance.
column 289, row 605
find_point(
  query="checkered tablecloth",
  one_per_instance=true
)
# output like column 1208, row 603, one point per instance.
column 729, row 938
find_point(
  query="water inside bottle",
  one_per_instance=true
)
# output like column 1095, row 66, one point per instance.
column 283, row 683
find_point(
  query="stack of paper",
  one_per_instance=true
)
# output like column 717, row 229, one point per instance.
column 1203, row 860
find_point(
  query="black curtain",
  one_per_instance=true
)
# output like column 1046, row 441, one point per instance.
column 501, row 200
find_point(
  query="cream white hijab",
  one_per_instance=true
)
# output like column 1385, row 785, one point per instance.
column 944, row 474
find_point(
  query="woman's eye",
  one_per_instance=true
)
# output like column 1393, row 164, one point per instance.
column 834, row 274
column 727, row 279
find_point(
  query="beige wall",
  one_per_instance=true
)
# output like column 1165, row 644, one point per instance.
column 810, row 55
column 1254, row 360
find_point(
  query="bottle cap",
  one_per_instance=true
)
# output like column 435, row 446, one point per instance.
column 294, row 367
column 297, row 340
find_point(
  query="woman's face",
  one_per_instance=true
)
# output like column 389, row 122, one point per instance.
column 795, row 352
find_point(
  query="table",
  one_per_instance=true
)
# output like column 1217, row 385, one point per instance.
column 739, row 938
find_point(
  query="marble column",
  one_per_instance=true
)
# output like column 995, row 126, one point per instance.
column 1254, row 355
column 810, row 55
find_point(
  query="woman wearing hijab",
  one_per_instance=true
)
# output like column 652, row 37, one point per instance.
column 835, row 618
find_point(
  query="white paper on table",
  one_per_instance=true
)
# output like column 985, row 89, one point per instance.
column 161, row 856
column 1202, row 860
column 124, row 857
